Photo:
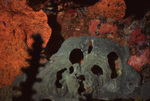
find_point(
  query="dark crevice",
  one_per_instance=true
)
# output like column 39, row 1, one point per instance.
column 80, row 79
column 97, row 70
column 59, row 77
column 81, row 88
column 90, row 47
column 56, row 38
column 112, row 57
column 76, row 56
column 71, row 69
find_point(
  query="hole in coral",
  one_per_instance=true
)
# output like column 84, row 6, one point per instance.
column 90, row 47
column 112, row 57
column 13, row 32
column 71, row 69
column 97, row 70
column 108, row 5
column 76, row 56
column 81, row 88
column 80, row 79
column 59, row 77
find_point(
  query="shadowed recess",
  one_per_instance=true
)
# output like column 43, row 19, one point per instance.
column 90, row 47
column 56, row 38
column 112, row 57
column 71, row 69
column 81, row 78
column 59, row 77
column 76, row 56
column 97, row 70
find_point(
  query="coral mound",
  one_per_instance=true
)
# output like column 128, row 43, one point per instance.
column 109, row 8
column 17, row 23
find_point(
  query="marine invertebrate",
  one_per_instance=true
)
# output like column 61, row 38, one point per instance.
column 93, row 27
column 97, row 28
column 109, row 8
column 86, row 67
column 141, row 60
column 21, row 22
column 108, row 28
column 136, row 37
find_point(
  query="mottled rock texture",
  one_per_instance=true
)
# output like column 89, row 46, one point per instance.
column 85, row 66
column 109, row 8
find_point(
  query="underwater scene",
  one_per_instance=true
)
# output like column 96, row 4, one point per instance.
column 74, row 50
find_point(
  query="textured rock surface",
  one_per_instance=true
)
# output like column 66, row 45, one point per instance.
column 137, row 36
column 84, row 66
column 17, row 23
column 139, row 61
column 109, row 30
column 109, row 8
column 75, row 22
column 93, row 26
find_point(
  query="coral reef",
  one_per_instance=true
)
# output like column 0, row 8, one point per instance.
column 139, row 61
column 18, row 22
column 84, row 68
column 139, row 42
column 93, row 26
column 109, row 8
column 137, row 37
column 108, row 30
column 61, row 19
column 75, row 22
